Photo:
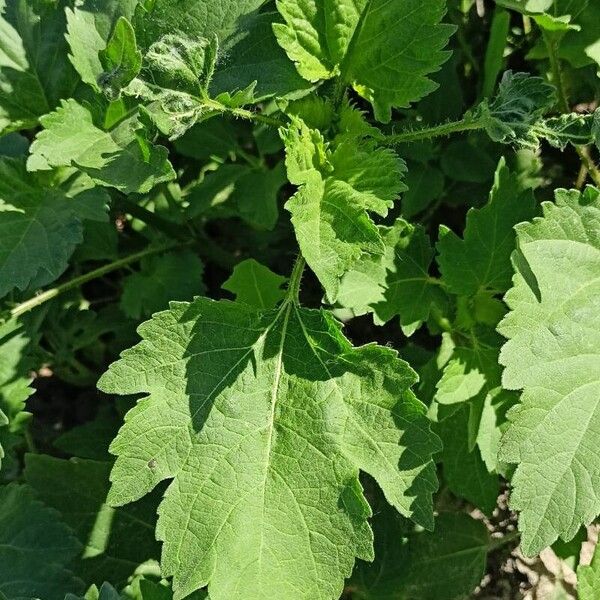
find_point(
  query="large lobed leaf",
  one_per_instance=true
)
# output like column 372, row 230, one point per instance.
column 553, row 355
column 264, row 420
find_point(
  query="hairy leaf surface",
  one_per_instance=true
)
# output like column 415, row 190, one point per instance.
column 385, row 50
column 122, row 158
column 553, row 355
column 264, row 420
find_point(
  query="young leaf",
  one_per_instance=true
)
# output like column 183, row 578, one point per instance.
column 397, row 284
column 481, row 260
column 120, row 59
column 552, row 355
column 89, row 26
column 115, row 540
column 35, row 72
column 171, row 276
column 338, row 188
column 39, row 229
column 255, row 285
column 264, row 420
column 385, row 50
column 122, row 158
column 35, row 548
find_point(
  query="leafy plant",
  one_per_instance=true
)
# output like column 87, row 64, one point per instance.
column 295, row 295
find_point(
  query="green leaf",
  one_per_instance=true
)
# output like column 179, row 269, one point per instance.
column 115, row 540
column 35, row 547
column 120, row 59
column 481, row 261
column 464, row 470
column 253, row 55
column 39, row 229
column 445, row 565
column 397, row 284
column 203, row 18
column 385, row 50
column 264, row 420
column 520, row 103
column 89, row 26
column 35, row 72
column 588, row 578
column 106, row 592
column 255, row 285
column 171, row 276
column 122, row 158
column 553, row 329
column 339, row 186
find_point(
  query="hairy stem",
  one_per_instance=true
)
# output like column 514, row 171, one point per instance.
column 243, row 113
column 293, row 293
column 76, row 282
column 432, row 132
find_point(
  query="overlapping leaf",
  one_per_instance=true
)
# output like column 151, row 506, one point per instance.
column 386, row 50
column 445, row 565
column 481, row 260
column 115, row 540
column 14, row 381
column 35, row 548
column 553, row 356
column 264, row 419
column 397, row 284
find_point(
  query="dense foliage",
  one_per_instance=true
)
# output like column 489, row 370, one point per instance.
column 299, row 299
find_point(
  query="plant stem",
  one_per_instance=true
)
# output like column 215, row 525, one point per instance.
column 293, row 293
column 563, row 103
column 432, row 132
column 76, row 282
column 243, row 113
column 504, row 540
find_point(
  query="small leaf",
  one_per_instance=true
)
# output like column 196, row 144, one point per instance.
column 256, row 285
column 120, row 59
column 588, row 578
column 481, row 261
column 338, row 187
column 122, row 158
column 171, row 276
